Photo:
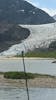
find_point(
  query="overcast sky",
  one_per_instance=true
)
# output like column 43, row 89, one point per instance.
column 48, row 5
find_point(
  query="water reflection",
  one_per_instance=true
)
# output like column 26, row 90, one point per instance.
column 33, row 65
column 13, row 93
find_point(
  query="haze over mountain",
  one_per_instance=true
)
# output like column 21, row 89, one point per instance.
column 22, row 12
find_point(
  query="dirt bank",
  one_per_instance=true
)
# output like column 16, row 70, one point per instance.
column 37, row 82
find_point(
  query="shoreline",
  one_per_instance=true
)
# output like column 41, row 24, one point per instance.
column 26, row 58
column 40, row 82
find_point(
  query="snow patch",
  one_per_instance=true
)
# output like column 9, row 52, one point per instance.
column 34, row 13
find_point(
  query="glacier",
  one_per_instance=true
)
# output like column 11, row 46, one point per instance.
column 41, row 36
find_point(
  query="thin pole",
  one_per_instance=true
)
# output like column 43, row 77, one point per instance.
column 25, row 75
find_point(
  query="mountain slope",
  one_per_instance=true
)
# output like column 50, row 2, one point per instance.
column 22, row 12
column 14, row 12
column 54, row 17
column 11, row 34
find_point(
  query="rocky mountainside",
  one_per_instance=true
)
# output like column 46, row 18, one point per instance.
column 15, row 12
column 22, row 12
column 54, row 17
column 11, row 34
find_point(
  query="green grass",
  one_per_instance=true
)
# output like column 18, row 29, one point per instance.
column 21, row 75
column 18, row 75
column 51, row 54
column 43, row 54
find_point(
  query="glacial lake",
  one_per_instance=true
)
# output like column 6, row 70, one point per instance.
column 34, row 66
column 13, row 93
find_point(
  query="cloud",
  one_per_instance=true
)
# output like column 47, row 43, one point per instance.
column 50, row 11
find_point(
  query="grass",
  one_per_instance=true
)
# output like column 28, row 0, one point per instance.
column 47, row 54
column 42, row 54
column 21, row 75
column 18, row 75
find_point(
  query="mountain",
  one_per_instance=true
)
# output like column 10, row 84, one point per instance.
column 11, row 34
column 22, row 12
column 14, row 13
column 54, row 17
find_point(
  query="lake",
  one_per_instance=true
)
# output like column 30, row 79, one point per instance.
column 32, row 65
column 13, row 93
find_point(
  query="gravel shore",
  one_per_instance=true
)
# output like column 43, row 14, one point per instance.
column 31, row 58
column 41, row 82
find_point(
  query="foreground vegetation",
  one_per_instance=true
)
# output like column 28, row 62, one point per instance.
column 50, row 54
column 21, row 75
column 44, row 54
column 18, row 75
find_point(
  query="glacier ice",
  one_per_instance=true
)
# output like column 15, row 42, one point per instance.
column 41, row 36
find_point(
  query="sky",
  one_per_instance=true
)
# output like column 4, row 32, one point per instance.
column 47, row 5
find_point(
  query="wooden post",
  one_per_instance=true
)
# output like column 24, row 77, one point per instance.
column 25, row 75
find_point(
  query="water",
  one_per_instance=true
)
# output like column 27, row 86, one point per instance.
column 13, row 93
column 33, row 65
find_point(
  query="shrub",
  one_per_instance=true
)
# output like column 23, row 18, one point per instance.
column 18, row 75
